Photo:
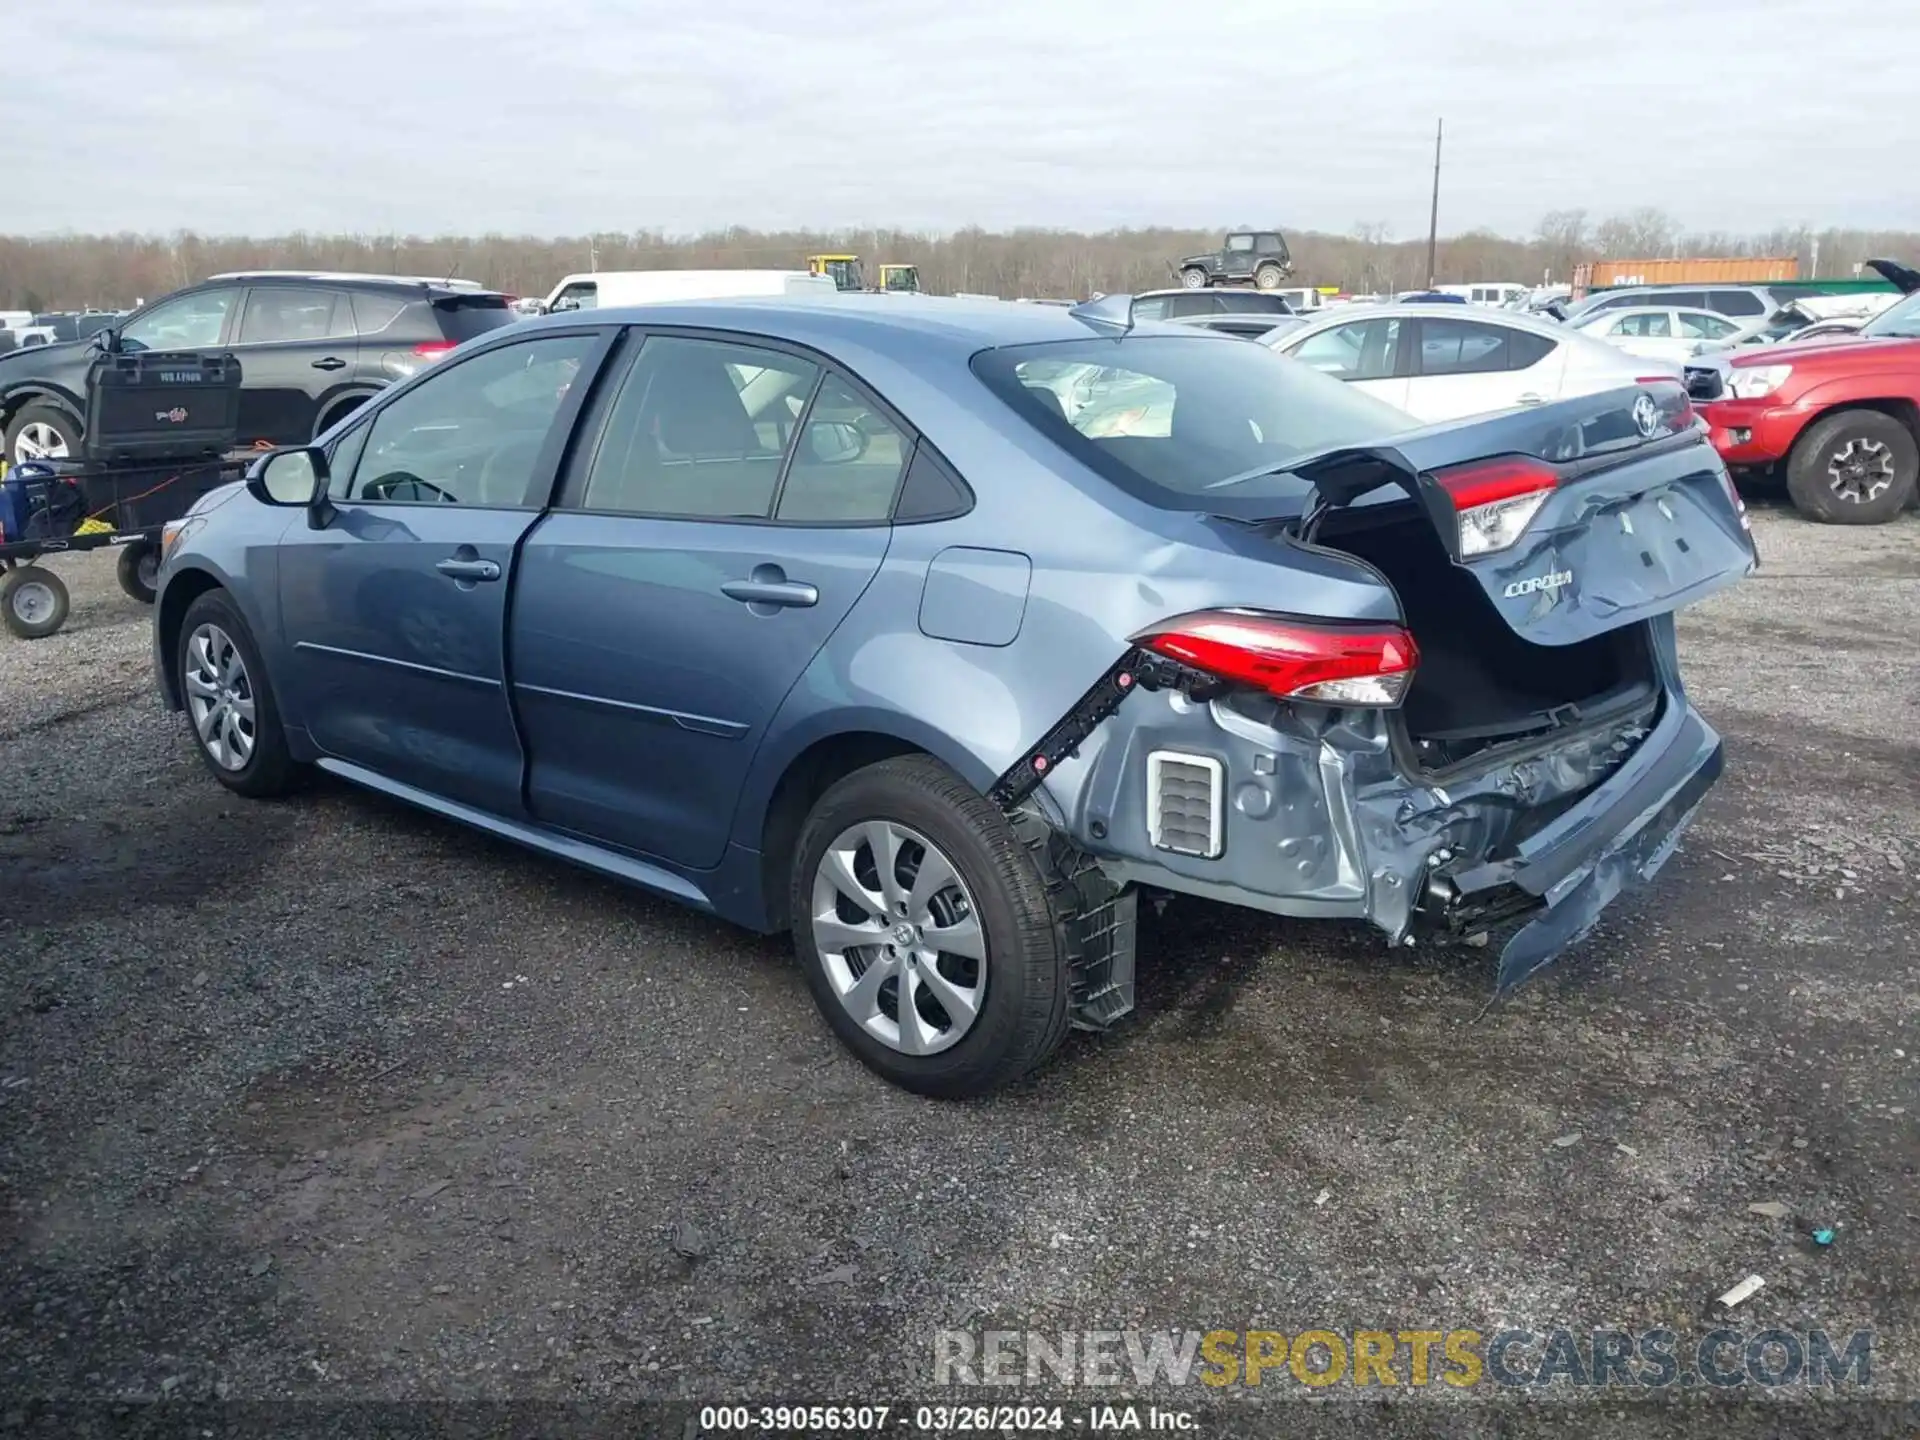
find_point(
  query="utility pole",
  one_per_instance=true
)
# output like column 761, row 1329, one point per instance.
column 1433, row 220
column 1815, row 266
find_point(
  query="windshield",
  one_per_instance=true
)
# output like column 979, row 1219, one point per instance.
column 1167, row 418
column 1897, row 322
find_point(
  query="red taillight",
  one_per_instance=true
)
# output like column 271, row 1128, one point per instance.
column 433, row 349
column 1496, row 500
column 1332, row 665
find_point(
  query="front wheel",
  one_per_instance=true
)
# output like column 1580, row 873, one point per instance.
column 230, row 705
column 42, row 432
column 925, row 931
column 1193, row 278
column 1857, row 467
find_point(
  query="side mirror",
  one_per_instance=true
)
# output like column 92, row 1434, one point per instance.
column 835, row 442
column 561, row 306
column 293, row 477
column 107, row 340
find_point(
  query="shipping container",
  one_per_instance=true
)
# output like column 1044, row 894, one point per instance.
column 1757, row 270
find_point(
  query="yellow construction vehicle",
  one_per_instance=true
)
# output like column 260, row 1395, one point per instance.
column 846, row 274
column 843, row 270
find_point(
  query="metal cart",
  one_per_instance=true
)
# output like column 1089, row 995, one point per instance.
column 56, row 507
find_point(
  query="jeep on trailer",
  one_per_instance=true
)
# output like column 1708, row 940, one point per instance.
column 1259, row 256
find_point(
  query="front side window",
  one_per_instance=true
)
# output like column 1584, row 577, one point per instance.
column 187, row 322
column 473, row 433
column 286, row 314
column 702, row 429
column 1173, row 419
column 1363, row 350
column 1649, row 325
column 1239, row 242
column 1153, row 308
column 581, row 295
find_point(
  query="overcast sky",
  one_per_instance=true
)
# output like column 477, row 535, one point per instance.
column 461, row 116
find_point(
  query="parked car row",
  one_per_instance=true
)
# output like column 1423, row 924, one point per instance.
column 312, row 346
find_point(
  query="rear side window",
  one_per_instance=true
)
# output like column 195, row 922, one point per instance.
column 465, row 316
column 277, row 313
column 1180, row 307
column 1460, row 347
column 1525, row 349
column 373, row 313
column 1175, row 419
column 1736, row 302
column 1683, row 299
column 702, row 429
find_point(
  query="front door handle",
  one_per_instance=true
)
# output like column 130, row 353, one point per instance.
column 1533, row 398
column 332, row 362
column 769, row 586
column 469, row 570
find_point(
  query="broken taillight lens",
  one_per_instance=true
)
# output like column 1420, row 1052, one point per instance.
column 1496, row 500
column 1326, row 664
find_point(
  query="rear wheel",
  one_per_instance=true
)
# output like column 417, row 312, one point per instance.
column 230, row 706
column 1267, row 277
column 33, row 601
column 1856, row 467
column 138, row 570
column 1194, row 278
column 925, row 931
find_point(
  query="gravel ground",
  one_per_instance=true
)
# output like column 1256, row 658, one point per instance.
column 328, row 1100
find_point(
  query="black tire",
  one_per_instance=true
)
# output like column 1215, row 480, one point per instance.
column 1023, row 1017
column 270, row 770
column 1193, row 278
column 33, row 601
column 1817, row 468
column 1267, row 277
column 137, row 570
column 51, row 416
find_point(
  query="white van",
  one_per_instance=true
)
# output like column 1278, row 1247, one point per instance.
column 645, row 287
column 1497, row 293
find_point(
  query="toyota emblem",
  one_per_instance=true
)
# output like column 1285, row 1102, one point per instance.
column 1646, row 415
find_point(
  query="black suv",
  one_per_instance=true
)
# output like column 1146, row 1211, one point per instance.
column 1257, row 255
column 1187, row 305
column 311, row 348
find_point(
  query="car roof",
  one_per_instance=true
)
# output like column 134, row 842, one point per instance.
column 1617, row 311
column 882, row 322
column 351, row 277
column 1401, row 310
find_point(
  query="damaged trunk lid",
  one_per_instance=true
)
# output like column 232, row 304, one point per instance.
column 1575, row 519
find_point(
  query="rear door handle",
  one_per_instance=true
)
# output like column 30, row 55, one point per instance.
column 469, row 570
column 762, row 590
column 1533, row 398
column 332, row 362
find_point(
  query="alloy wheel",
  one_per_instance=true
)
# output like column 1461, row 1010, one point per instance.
column 220, row 697
column 900, row 937
column 1860, row 470
column 39, row 441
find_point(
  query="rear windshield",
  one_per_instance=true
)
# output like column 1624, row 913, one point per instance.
column 1168, row 418
column 464, row 316
column 1897, row 322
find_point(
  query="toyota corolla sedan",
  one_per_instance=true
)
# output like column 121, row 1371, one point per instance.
column 938, row 632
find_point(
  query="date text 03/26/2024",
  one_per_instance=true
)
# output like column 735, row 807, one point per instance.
column 938, row 1419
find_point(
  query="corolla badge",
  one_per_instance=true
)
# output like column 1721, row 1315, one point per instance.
column 1534, row 584
column 1646, row 415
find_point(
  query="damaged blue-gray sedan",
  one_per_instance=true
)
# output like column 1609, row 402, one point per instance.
column 938, row 632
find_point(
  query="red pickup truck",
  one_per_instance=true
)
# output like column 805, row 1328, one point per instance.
column 1840, row 416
